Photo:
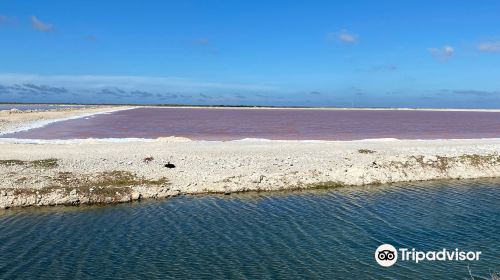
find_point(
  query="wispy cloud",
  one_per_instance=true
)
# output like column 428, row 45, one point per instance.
column 443, row 54
column 206, row 45
column 142, row 94
column 3, row 19
column 6, row 20
column 489, row 46
column 384, row 68
column 342, row 36
column 40, row 92
column 201, row 41
column 32, row 89
column 155, row 84
column 41, row 26
column 379, row 68
column 91, row 38
column 480, row 93
column 116, row 92
column 133, row 94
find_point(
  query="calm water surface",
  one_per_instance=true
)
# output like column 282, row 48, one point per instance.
column 299, row 235
column 276, row 124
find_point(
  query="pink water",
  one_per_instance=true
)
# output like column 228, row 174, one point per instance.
column 296, row 124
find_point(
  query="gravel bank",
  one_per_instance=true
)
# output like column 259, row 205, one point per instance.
column 87, row 171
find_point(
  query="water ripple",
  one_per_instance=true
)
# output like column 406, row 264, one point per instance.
column 300, row 235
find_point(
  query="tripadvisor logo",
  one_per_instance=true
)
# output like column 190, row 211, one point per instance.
column 386, row 255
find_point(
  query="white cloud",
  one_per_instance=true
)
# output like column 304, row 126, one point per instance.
column 489, row 46
column 342, row 36
column 41, row 26
column 443, row 53
column 348, row 38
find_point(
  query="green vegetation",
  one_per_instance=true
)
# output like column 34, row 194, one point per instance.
column 105, row 185
column 101, row 187
column 443, row 163
column 327, row 185
column 478, row 160
column 45, row 163
column 42, row 163
column 102, row 180
column 12, row 162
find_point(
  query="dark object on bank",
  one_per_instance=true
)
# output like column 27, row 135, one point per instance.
column 148, row 159
column 169, row 165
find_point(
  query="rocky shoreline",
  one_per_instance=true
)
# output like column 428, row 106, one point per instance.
column 90, row 171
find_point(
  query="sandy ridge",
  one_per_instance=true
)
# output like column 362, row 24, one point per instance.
column 100, row 172
column 19, row 120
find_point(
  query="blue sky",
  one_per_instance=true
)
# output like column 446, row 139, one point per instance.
column 310, row 53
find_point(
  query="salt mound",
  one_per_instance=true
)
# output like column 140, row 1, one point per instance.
column 173, row 139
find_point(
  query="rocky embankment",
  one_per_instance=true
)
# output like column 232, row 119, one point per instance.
column 110, row 172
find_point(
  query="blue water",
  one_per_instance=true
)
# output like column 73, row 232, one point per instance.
column 328, row 234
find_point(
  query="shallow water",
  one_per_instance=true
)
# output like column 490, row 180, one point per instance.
column 330, row 234
column 276, row 124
